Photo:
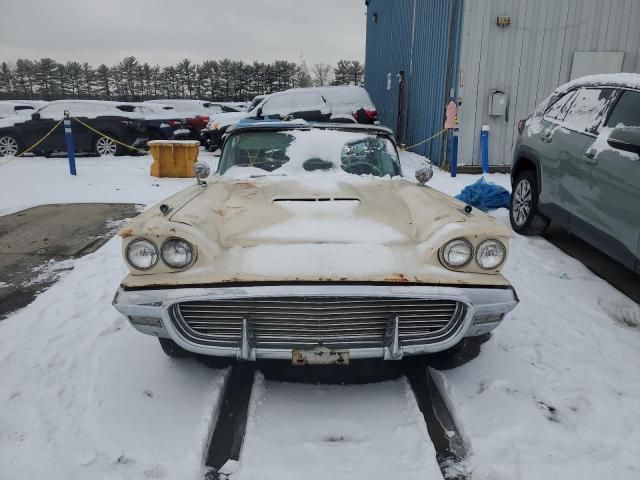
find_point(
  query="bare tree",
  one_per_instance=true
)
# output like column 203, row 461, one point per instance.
column 322, row 74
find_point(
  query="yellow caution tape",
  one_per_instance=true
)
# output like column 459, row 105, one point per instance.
column 46, row 135
column 130, row 147
column 426, row 139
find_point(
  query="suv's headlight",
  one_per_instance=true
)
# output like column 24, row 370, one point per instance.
column 490, row 254
column 141, row 254
column 457, row 253
column 177, row 253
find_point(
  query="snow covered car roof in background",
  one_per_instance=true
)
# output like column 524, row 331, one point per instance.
column 346, row 95
column 10, row 108
column 302, row 125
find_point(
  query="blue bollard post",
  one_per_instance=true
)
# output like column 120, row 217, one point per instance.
column 454, row 153
column 68, row 136
column 484, row 148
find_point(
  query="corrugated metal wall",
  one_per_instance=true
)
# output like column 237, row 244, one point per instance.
column 530, row 58
column 413, row 36
column 388, row 51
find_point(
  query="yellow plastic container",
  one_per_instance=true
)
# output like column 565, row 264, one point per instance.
column 173, row 158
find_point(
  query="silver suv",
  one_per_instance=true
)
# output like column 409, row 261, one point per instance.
column 577, row 162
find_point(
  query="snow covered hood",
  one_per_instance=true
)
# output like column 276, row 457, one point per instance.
column 272, row 210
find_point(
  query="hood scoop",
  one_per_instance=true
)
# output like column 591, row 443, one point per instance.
column 314, row 199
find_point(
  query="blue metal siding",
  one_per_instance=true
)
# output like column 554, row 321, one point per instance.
column 413, row 36
column 388, row 50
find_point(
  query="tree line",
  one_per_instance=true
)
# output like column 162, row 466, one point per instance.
column 131, row 80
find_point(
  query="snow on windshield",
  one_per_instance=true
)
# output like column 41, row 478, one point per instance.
column 297, row 152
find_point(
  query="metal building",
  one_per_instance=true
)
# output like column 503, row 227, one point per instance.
column 497, row 58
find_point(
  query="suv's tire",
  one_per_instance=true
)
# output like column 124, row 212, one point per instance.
column 523, row 208
column 9, row 145
column 172, row 349
column 105, row 146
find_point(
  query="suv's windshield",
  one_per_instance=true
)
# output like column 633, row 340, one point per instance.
column 308, row 150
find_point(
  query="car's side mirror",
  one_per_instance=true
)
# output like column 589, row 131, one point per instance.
column 35, row 116
column 626, row 139
column 259, row 112
column 424, row 174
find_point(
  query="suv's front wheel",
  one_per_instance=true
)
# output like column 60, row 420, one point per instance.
column 523, row 210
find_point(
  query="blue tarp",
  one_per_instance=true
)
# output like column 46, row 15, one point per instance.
column 485, row 195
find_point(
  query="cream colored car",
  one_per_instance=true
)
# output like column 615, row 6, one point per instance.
column 309, row 245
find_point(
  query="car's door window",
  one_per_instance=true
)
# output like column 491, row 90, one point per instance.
column 558, row 111
column 588, row 108
column 626, row 113
column 278, row 105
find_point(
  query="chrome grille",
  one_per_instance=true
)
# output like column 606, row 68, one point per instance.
column 306, row 322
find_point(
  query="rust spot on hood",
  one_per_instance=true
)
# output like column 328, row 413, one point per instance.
column 127, row 232
column 396, row 277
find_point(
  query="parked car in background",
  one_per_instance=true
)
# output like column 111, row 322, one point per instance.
column 211, row 136
column 195, row 112
column 113, row 119
column 257, row 262
column 340, row 104
column 9, row 108
column 577, row 162
column 162, row 122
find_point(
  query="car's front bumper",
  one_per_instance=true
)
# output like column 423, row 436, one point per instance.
column 149, row 311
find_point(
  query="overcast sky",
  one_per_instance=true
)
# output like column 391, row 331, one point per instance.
column 166, row 31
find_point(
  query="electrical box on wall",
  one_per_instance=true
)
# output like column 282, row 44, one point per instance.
column 497, row 103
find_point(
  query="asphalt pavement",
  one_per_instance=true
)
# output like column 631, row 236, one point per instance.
column 35, row 243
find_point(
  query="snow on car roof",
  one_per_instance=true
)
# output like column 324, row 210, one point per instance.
column 622, row 80
column 340, row 95
column 302, row 125
column 617, row 80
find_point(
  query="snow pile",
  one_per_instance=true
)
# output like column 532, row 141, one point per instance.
column 317, row 432
column 83, row 395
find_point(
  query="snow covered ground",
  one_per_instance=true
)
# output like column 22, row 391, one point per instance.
column 553, row 394
column 316, row 432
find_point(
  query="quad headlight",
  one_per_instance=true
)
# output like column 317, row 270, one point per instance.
column 490, row 254
column 141, row 254
column 177, row 253
column 457, row 253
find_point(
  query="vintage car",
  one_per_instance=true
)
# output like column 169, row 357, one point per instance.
column 308, row 244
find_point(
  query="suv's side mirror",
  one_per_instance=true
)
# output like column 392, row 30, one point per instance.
column 626, row 139
column 35, row 116
column 258, row 112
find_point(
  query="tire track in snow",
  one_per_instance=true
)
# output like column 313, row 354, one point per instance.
column 318, row 431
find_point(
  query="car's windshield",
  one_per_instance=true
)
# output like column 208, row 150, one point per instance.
column 308, row 150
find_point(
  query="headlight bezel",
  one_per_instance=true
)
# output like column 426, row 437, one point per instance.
column 478, row 250
column 141, row 240
column 174, row 267
column 446, row 263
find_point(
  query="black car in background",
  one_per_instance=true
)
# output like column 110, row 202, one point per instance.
column 18, row 133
